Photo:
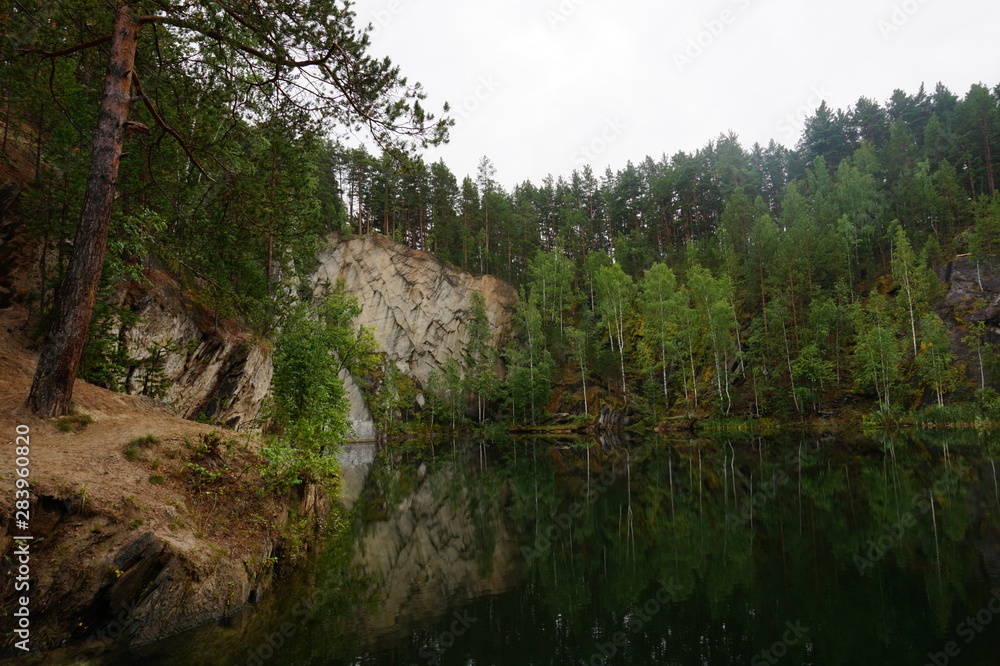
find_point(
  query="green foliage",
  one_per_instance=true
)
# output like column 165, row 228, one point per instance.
column 811, row 374
column 309, row 414
column 73, row 422
column 396, row 394
column 984, row 242
column 936, row 360
column 749, row 263
column 133, row 448
column 614, row 303
column 664, row 305
column 529, row 365
column 105, row 361
column 447, row 393
column 877, row 355
column 482, row 359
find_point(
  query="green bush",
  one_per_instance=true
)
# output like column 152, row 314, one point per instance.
column 309, row 412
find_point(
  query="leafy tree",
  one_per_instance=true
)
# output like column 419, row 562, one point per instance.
column 936, row 361
column 914, row 279
column 985, row 353
column 614, row 293
column 712, row 299
column 551, row 280
column 529, row 364
column 309, row 414
column 446, row 387
column 812, row 373
column 877, row 354
column 663, row 304
column 577, row 340
column 482, row 358
column 984, row 242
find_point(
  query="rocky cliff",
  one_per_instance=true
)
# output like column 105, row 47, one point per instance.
column 143, row 524
column 972, row 294
column 211, row 373
column 973, row 289
column 418, row 306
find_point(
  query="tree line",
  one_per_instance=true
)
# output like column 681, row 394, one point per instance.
column 768, row 281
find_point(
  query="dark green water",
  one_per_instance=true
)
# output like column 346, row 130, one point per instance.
column 724, row 550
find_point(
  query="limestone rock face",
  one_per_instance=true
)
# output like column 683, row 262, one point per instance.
column 223, row 376
column 974, row 288
column 973, row 295
column 362, row 422
column 418, row 306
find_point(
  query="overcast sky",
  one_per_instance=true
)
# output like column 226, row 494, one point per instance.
column 544, row 86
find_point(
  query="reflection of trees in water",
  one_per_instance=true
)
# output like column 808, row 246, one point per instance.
column 751, row 531
column 767, row 525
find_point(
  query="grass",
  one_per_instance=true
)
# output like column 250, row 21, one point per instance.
column 74, row 422
column 133, row 448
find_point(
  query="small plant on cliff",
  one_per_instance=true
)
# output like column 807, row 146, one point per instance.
column 133, row 448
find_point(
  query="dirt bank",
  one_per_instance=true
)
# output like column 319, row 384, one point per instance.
column 143, row 524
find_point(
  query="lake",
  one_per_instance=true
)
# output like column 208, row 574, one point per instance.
column 726, row 549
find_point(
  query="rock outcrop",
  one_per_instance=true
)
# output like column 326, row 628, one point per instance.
column 418, row 306
column 973, row 289
column 143, row 524
column 972, row 295
column 218, row 375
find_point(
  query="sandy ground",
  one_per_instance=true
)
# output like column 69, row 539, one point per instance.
column 89, row 501
column 90, row 460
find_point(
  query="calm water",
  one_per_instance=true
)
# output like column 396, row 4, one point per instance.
column 722, row 550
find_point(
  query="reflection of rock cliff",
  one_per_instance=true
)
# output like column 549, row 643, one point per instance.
column 417, row 305
column 438, row 548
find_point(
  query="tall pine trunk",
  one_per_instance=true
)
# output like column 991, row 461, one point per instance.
column 59, row 360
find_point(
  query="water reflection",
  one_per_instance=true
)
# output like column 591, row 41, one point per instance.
column 729, row 549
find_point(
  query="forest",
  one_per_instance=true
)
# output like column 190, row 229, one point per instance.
column 731, row 282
